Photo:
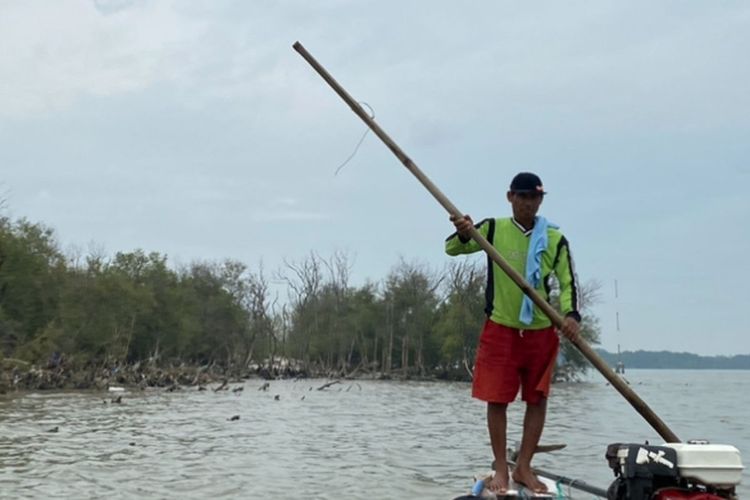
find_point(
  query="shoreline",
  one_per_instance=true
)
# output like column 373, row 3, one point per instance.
column 17, row 376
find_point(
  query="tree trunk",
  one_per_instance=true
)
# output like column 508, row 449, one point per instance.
column 420, row 359
column 351, row 353
column 405, row 354
column 389, row 359
column 250, row 350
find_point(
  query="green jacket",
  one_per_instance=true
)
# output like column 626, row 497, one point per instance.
column 503, row 296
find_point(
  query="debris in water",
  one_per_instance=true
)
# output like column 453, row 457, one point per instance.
column 329, row 384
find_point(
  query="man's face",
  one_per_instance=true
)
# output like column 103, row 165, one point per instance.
column 525, row 205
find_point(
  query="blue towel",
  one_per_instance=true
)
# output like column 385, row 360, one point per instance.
column 537, row 246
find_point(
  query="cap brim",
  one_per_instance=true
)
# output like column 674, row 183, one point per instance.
column 527, row 191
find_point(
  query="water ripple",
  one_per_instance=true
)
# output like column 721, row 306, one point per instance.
column 366, row 439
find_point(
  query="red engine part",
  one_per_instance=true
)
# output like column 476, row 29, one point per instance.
column 682, row 494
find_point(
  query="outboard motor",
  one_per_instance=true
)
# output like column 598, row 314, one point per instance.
column 695, row 470
column 640, row 470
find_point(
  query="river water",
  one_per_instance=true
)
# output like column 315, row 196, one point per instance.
column 354, row 440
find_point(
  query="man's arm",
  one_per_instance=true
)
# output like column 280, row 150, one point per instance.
column 569, row 290
column 460, row 242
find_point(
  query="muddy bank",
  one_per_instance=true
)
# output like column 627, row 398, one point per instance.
column 17, row 375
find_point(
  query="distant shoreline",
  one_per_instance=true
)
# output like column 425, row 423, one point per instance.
column 656, row 360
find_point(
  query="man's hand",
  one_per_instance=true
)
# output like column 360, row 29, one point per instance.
column 463, row 226
column 570, row 328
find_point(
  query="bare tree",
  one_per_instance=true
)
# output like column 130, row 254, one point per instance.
column 304, row 280
column 257, row 304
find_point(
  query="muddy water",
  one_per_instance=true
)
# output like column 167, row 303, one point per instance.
column 356, row 439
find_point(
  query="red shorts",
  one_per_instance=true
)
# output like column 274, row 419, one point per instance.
column 508, row 358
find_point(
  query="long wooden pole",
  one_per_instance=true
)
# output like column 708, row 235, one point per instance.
column 596, row 360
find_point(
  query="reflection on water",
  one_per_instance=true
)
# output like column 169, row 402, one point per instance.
column 358, row 439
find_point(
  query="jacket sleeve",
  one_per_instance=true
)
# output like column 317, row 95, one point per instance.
column 454, row 245
column 566, row 276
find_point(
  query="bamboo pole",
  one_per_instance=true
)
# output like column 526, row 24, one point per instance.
column 640, row 406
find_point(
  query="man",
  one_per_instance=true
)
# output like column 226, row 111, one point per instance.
column 518, row 345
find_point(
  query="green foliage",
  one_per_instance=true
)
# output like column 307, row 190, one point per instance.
column 461, row 316
column 31, row 272
column 130, row 308
column 410, row 296
column 134, row 307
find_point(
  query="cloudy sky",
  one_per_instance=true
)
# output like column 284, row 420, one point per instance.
column 193, row 129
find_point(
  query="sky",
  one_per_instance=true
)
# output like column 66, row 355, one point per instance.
column 193, row 129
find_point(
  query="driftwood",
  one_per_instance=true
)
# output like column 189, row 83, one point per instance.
column 468, row 369
column 329, row 384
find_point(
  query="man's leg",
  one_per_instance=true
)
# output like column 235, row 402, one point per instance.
column 533, row 425
column 496, row 423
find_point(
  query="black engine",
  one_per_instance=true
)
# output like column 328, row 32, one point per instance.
column 640, row 470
